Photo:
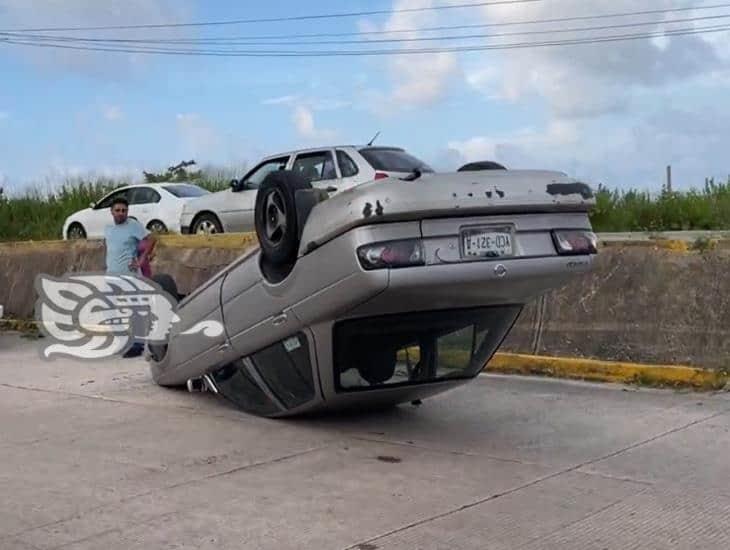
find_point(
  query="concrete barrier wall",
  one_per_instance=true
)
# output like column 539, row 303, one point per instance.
column 645, row 302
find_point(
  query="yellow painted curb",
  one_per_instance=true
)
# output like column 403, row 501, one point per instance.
column 594, row 370
column 221, row 240
column 18, row 325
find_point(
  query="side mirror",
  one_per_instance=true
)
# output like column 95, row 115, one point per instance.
column 235, row 184
column 92, row 204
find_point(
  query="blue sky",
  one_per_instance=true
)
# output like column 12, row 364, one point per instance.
column 613, row 113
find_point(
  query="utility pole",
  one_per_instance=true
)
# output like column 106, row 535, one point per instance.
column 669, row 178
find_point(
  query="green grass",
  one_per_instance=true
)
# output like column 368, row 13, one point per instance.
column 39, row 215
column 698, row 209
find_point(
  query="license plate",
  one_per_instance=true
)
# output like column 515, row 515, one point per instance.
column 486, row 243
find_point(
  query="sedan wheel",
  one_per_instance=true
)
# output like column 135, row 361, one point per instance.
column 157, row 227
column 76, row 231
column 207, row 224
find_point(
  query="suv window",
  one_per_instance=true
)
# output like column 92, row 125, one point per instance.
column 390, row 159
column 254, row 178
column 348, row 168
column 316, row 166
column 143, row 195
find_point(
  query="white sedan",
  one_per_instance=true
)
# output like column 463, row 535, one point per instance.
column 157, row 206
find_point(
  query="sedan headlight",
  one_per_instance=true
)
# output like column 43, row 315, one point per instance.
column 575, row 241
column 392, row 254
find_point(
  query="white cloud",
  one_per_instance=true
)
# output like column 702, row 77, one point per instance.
column 303, row 119
column 558, row 136
column 619, row 153
column 113, row 113
column 418, row 80
column 19, row 14
column 588, row 80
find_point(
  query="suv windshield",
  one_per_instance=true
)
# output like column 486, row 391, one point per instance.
column 393, row 160
column 183, row 191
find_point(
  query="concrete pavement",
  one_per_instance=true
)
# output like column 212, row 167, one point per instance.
column 94, row 456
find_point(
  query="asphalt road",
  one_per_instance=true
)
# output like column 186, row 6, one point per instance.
column 94, row 456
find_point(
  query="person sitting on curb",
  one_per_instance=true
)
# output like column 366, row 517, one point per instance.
column 122, row 240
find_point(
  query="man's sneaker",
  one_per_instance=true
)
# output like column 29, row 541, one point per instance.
column 135, row 351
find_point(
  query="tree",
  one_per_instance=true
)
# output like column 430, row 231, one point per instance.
column 174, row 173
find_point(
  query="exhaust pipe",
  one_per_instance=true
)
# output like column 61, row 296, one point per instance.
column 202, row 384
column 195, row 385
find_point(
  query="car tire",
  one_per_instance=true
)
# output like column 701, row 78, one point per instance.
column 156, row 226
column 76, row 231
column 275, row 216
column 208, row 222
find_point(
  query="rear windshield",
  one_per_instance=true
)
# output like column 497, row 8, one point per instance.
column 413, row 348
column 183, row 191
column 393, row 160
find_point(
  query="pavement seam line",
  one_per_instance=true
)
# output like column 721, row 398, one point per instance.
column 653, row 438
column 615, row 478
column 584, row 518
column 168, row 487
column 99, row 397
column 570, row 469
column 112, row 530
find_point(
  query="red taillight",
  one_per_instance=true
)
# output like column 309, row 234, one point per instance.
column 380, row 175
column 393, row 254
column 576, row 241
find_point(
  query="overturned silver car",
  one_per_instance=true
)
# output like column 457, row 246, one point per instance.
column 390, row 292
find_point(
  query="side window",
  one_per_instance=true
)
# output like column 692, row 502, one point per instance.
column 283, row 370
column 316, row 166
column 144, row 195
column 254, row 178
column 236, row 384
column 348, row 168
column 286, row 369
column 107, row 202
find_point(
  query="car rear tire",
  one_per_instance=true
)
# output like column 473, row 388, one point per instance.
column 76, row 231
column 156, row 226
column 206, row 224
column 275, row 216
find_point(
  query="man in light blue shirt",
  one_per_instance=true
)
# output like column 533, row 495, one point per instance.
column 122, row 240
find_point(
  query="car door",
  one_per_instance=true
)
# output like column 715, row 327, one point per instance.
column 320, row 168
column 237, row 215
column 100, row 214
column 143, row 204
